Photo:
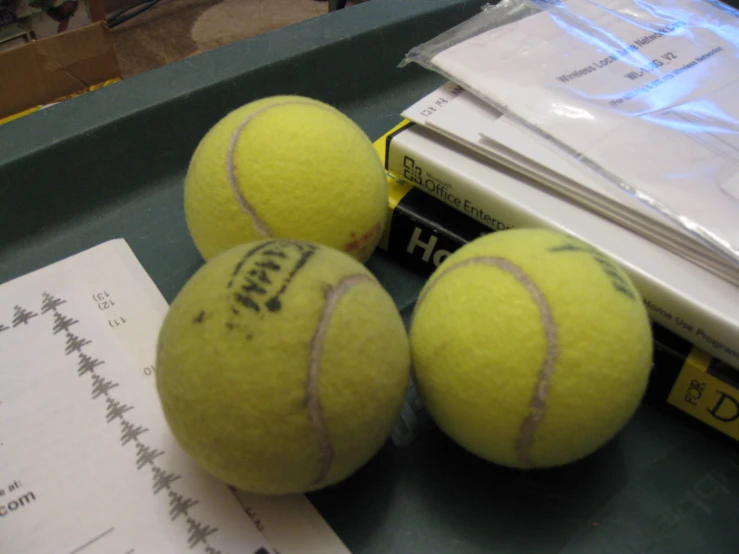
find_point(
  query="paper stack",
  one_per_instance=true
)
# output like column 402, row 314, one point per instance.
column 615, row 122
column 625, row 108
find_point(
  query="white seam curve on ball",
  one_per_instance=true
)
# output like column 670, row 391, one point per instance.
column 312, row 396
column 261, row 227
column 537, row 406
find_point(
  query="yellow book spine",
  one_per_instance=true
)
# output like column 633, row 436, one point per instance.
column 704, row 396
column 397, row 187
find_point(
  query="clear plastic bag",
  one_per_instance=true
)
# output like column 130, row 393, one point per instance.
column 644, row 93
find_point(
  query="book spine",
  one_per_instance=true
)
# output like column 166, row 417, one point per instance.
column 416, row 234
column 438, row 180
column 695, row 384
column 422, row 231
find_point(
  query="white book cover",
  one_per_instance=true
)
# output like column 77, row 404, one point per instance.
column 87, row 462
column 693, row 303
column 459, row 115
column 644, row 92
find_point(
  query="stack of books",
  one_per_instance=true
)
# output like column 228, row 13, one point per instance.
column 443, row 194
column 609, row 124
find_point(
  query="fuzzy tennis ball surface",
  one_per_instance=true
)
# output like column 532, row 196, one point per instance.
column 286, row 167
column 282, row 366
column 530, row 348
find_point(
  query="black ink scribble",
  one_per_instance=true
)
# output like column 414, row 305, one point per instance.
column 130, row 431
column 87, row 364
column 50, row 303
column 179, row 505
column 115, row 409
column 247, row 301
column 22, row 316
column 246, row 257
column 306, row 252
column 75, row 343
column 198, row 532
column 146, row 455
column 263, row 275
column 260, row 273
column 101, row 386
column 274, row 304
column 3, row 328
column 280, row 254
column 267, row 265
column 246, row 295
column 611, row 270
column 62, row 323
column 163, row 479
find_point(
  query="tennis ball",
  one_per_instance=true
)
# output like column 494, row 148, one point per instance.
column 286, row 167
column 282, row 366
column 530, row 348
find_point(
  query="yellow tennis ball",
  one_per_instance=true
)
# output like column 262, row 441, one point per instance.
column 530, row 348
column 282, row 366
column 286, row 167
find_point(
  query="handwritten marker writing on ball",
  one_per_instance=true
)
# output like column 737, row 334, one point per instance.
column 530, row 348
column 282, row 366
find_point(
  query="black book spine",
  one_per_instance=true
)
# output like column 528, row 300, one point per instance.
column 422, row 231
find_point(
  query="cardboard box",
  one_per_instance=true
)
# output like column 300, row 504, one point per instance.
column 56, row 67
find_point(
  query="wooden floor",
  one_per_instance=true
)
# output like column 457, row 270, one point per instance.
column 177, row 29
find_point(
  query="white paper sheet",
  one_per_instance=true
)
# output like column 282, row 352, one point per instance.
column 644, row 91
column 459, row 115
column 87, row 463
column 465, row 118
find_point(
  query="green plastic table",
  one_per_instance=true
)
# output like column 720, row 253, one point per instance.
column 111, row 164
